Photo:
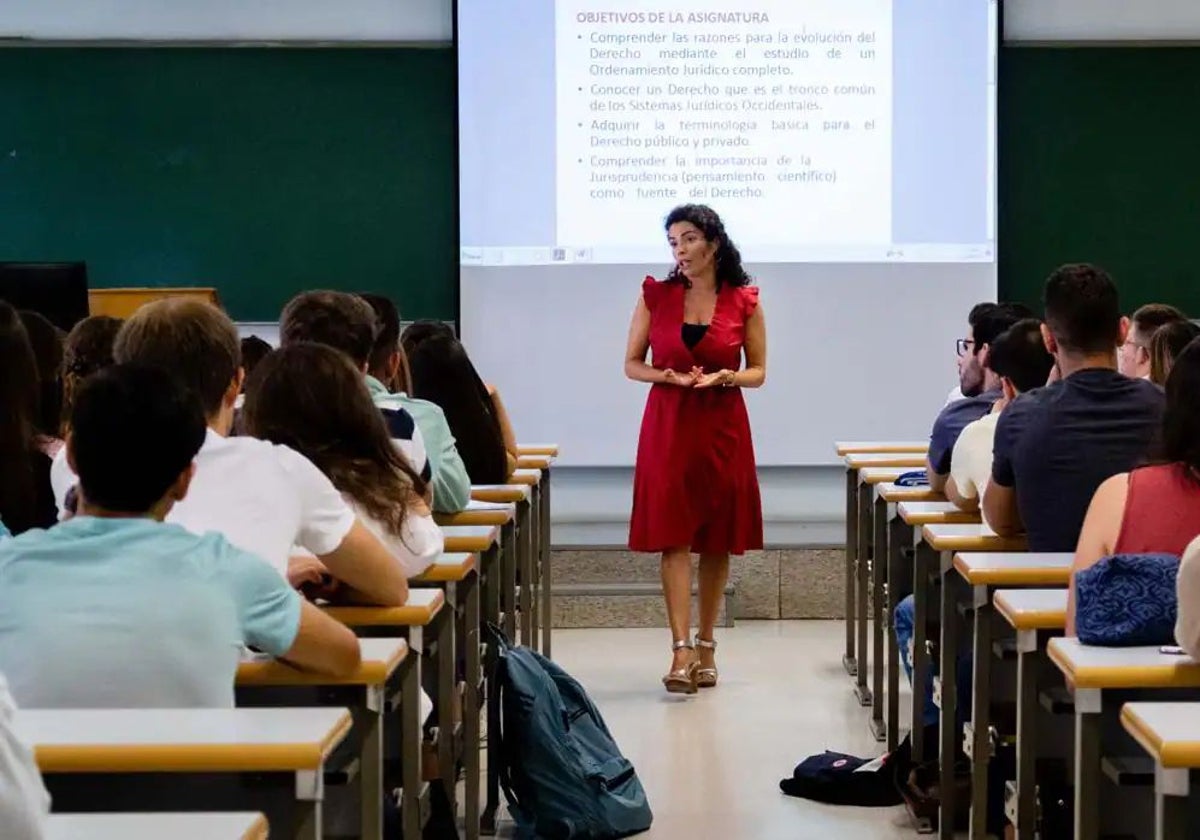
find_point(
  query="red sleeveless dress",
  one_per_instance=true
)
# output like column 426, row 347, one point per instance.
column 695, row 483
column 1162, row 511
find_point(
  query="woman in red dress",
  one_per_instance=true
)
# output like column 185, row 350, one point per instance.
column 695, row 487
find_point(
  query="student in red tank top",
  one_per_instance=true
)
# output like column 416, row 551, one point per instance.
column 1155, row 509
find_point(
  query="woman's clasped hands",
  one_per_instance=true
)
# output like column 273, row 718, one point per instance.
column 697, row 378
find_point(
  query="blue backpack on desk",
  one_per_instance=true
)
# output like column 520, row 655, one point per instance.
column 1127, row 600
column 561, row 771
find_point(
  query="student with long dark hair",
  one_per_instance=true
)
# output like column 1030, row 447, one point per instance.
column 309, row 397
column 26, row 499
column 1154, row 509
column 442, row 373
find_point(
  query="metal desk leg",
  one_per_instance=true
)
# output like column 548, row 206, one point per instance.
column 1171, row 806
column 496, row 575
column 1087, row 764
column 529, row 549
column 410, row 734
column 442, row 635
column 525, row 549
column 468, row 593
column 863, row 614
column 849, row 661
column 948, row 722
column 547, row 574
column 310, row 791
column 900, row 536
column 1027, row 713
column 879, row 572
column 981, row 718
column 371, row 759
column 511, row 559
column 923, row 591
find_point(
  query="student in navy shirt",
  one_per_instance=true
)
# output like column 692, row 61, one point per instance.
column 1055, row 445
column 974, row 378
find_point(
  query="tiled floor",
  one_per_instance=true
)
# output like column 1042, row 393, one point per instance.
column 711, row 763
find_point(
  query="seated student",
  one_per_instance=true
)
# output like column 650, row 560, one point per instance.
column 977, row 311
column 88, row 349
column 1166, row 345
column 26, row 500
column 263, row 498
column 974, row 378
column 1055, row 445
column 24, row 801
column 254, row 350
column 442, row 373
column 1153, row 509
column 387, row 380
column 1133, row 358
column 346, row 322
column 1187, row 591
column 310, row 398
column 46, row 341
column 1020, row 360
column 117, row 609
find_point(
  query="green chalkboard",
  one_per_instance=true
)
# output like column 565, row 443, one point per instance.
column 1099, row 156
column 259, row 171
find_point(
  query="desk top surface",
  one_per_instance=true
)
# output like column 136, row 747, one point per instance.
column 881, row 447
column 470, row 538
column 979, row 538
column 501, row 492
column 879, row 475
column 420, row 608
column 1131, row 667
column 380, row 659
column 197, row 826
column 1169, row 732
column 538, row 449
column 1033, row 609
column 449, row 568
column 933, row 513
column 181, row 740
column 890, row 492
column 1014, row 568
column 478, row 513
column 881, row 459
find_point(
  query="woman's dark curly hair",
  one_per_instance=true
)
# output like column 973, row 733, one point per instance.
column 728, row 260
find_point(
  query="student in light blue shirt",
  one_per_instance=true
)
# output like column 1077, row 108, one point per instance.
column 115, row 608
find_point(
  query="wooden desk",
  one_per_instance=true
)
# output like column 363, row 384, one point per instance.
column 910, row 461
column 459, row 576
column 470, row 538
column 1033, row 614
column 181, row 826
column 859, row 537
column 895, row 494
column 1170, row 733
column 87, row 756
column 538, row 449
column 535, row 462
column 945, row 541
column 845, row 448
column 263, row 681
column 1098, row 674
column 935, row 513
column 479, row 513
column 422, row 621
column 121, row 303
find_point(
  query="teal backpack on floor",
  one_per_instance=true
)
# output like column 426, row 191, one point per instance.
column 560, row 769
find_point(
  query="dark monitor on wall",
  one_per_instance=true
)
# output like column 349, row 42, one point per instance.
column 59, row 291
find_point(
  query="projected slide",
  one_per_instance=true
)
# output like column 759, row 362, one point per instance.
column 822, row 131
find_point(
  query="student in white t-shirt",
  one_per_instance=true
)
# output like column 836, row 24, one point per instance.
column 310, row 398
column 263, row 498
column 24, row 802
column 1019, row 358
column 115, row 608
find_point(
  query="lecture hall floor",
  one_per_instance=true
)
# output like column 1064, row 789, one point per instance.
column 712, row 763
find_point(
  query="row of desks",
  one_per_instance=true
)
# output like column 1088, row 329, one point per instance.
column 975, row 569
column 276, row 757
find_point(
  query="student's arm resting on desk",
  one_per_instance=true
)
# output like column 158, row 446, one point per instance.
column 1098, row 537
column 1187, row 585
column 367, row 569
column 277, row 621
column 970, row 504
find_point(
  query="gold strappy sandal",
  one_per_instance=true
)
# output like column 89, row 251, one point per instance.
column 706, row 677
column 682, row 680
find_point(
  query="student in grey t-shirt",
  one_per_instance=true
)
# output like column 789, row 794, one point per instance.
column 1054, row 446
